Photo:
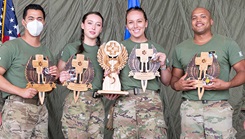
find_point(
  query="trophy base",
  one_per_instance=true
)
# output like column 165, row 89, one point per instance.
column 104, row 92
column 144, row 75
column 79, row 87
column 41, row 87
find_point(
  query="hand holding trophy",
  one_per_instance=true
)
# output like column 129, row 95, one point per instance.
column 112, row 58
column 81, row 74
column 38, row 76
column 203, row 69
column 144, row 64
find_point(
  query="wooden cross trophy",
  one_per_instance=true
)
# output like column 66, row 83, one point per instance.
column 143, row 68
column 112, row 58
column 203, row 61
column 82, row 74
column 208, row 68
column 38, row 76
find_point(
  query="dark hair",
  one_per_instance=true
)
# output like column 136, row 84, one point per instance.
column 35, row 7
column 136, row 8
column 98, row 42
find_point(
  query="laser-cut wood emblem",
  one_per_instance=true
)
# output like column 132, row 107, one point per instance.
column 112, row 58
column 37, row 75
column 142, row 68
column 203, row 69
column 82, row 74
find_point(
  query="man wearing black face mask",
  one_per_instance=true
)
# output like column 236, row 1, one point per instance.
column 22, row 116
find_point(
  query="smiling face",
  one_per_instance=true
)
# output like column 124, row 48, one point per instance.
column 92, row 27
column 136, row 25
column 201, row 21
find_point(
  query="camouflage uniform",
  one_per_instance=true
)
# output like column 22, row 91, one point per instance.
column 23, row 120
column 214, row 117
column 21, row 116
column 206, row 120
column 83, row 119
column 139, row 116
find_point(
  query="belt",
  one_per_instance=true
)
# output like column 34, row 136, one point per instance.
column 139, row 91
column 90, row 94
column 96, row 95
column 33, row 101
column 203, row 101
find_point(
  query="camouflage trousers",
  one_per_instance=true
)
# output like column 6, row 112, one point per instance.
column 212, row 120
column 139, row 116
column 83, row 119
column 23, row 121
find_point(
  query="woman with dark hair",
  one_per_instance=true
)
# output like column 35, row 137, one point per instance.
column 140, row 114
column 84, row 118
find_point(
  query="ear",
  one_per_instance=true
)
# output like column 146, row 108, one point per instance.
column 82, row 26
column 23, row 22
column 212, row 21
column 146, row 24
column 44, row 23
column 126, row 27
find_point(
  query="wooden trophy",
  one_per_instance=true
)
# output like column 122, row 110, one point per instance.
column 141, row 66
column 82, row 74
column 112, row 58
column 203, row 69
column 38, row 77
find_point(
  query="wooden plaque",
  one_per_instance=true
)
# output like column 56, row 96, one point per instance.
column 141, row 66
column 82, row 74
column 112, row 58
column 203, row 69
column 36, row 73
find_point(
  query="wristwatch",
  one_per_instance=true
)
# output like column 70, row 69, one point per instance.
column 163, row 67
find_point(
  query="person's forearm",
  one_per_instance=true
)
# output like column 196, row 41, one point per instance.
column 174, row 79
column 238, row 79
column 6, row 86
column 166, row 76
